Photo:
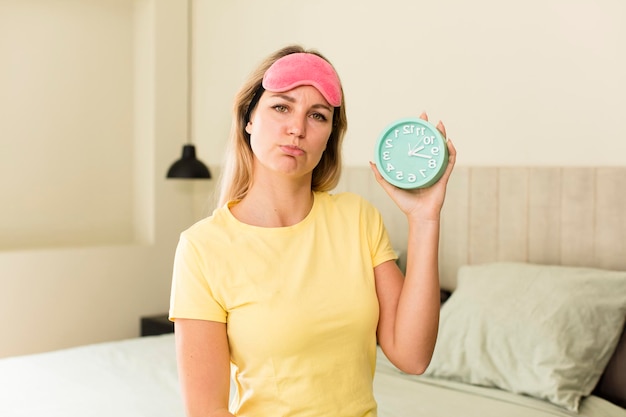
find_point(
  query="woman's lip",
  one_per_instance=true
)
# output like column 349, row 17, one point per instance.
column 292, row 150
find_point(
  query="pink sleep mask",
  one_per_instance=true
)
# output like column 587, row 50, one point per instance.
column 299, row 69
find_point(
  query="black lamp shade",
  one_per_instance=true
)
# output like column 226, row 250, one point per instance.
column 188, row 166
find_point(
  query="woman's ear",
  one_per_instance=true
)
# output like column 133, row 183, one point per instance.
column 249, row 128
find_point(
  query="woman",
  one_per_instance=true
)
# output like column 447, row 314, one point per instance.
column 291, row 285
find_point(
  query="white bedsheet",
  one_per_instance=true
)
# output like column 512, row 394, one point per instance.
column 131, row 378
column 137, row 378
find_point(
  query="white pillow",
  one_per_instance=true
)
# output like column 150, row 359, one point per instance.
column 543, row 331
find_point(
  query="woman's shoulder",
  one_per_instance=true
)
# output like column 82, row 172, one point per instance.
column 214, row 225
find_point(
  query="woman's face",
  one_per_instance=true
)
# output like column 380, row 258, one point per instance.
column 289, row 131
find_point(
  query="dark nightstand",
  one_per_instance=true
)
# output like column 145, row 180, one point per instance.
column 154, row 325
column 444, row 295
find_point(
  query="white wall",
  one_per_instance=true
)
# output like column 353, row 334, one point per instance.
column 67, row 117
column 537, row 82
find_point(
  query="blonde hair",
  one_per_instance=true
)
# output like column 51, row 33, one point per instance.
column 236, row 178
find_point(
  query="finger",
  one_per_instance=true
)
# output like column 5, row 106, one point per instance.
column 451, row 148
column 441, row 128
column 451, row 159
column 424, row 116
column 377, row 175
column 379, row 178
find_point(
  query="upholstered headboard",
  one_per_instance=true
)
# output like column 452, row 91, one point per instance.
column 547, row 215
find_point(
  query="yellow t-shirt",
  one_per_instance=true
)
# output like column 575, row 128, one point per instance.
column 299, row 302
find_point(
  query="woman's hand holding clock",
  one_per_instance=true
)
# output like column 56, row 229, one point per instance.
column 412, row 167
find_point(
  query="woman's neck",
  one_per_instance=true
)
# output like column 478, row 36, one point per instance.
column 275, row 205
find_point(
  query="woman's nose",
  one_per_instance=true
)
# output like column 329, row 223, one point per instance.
column 297, row 126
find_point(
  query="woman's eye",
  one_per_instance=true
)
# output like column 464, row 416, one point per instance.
column 319, row 116
column 280, row 108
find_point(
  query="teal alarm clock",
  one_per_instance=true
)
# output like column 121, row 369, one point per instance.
column 411, row 153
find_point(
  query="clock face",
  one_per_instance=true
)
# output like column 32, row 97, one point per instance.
column 411, row 153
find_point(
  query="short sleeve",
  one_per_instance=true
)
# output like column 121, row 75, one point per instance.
column 191, row 295
column 380, row 245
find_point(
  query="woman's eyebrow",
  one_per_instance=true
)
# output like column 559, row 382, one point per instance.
column 323, row 106
column 293, row 100
column 284, row 97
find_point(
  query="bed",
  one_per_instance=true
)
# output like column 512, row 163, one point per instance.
column 533, row 272
column 137, row 378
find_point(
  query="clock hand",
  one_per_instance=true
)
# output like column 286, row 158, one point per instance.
column 414, row 151
column 422, row 155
